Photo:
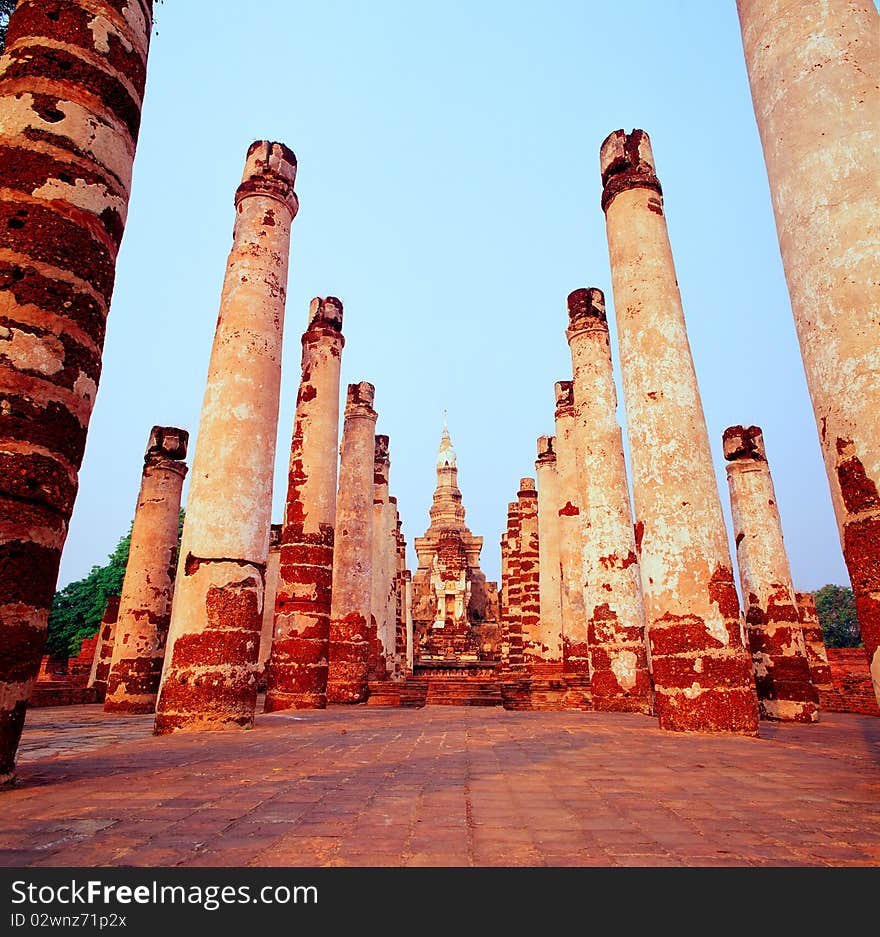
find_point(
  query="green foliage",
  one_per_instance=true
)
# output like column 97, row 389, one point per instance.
column 6, row 8
column 78, row 608
column 836, row 608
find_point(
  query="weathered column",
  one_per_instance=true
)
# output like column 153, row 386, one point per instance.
column 71, row 85
column 104, row 648
column 701, row 668
column 297, row 672
column 148, row 586
column 209, row 678
column 384, row 566
column 270, row 590
column 815, row 78
column 615, row 614
column 529, row 575
column 779, row 654
column 548, row 551
column 400, row 598
column 575, row 649
column 817, row 654
column 511, row 629
column 352, row 556
column 407, row 608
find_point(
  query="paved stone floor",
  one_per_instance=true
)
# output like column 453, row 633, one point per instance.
column 440, row 786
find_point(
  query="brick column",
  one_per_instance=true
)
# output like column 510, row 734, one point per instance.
column 297, row 672
column 814, row 79
column 817, row 653
column 352, row 556
column 701, row 668
column 529, row 576
column 779, row 654
column 575, row 648
column 70, row 108
column 104, row 648
column 270, row 590
column 384, row 565
column 209, row 679
column 550, row 629
column 148, row 586
column 511, row 625
column 613, row 607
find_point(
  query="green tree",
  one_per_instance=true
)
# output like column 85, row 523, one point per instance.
column 836, row 608
column 78, row 608
column 6, row 8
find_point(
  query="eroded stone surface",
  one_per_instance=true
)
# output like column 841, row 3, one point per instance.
column 779, row 653
column 701, row 668
column 70, row 105
column 352, row 582
column 612, row 590
column 209, row 680
column 147, row 589
column 297, row 670
column 814, row 82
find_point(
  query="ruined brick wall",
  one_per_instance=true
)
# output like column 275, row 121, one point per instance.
column 852, row 691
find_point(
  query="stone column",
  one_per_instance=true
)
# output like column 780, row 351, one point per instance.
column 352, row 556
column 384, row 566
column 814, row 79
column 701, row 668
column 575, row 649
column 297, row 671
column 273, row 571
column 400, row 597
column 209, row 679
column 71, row 86
column 104, row 648
column 817, row 654
column 407, row 599
column 613, row 607
column 148, row 586
column 511, row 629
column 548, row 551
column 779, row 654
column 534, row 653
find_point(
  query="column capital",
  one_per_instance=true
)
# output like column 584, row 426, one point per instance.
column 269, row 171
column 743, row 442
column 627, row 162
column 564, row 391
column 586, row 312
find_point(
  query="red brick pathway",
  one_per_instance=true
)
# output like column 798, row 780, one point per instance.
column 450, row 786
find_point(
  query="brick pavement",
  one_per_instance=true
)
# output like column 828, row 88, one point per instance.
column 441, row 786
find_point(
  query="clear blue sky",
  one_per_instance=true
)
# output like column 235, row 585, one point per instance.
column 449, row 191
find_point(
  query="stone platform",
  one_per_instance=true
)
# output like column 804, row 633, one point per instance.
column 441, row 786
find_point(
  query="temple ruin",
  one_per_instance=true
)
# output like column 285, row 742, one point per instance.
column 617, row 589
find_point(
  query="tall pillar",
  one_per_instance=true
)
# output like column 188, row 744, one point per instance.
column 104, row 648
column 814, row 80
column 352, row 556
column 407, row 610
column 511, row 625
column 70, row 108
column 779, row 654
column 575, row 648
column 529, row 576
column 384, row 566
column 548, row 551
column 209, row 679
column 270, row 590
column 400, row 597
column 296, row 676
column 148, row 586
column 701, row 668
column 817, row 653
column 613, row 607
